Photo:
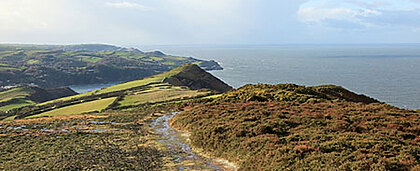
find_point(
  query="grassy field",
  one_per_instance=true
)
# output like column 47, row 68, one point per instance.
column 160, row 95
column 89, row 59
column 133, row 93
column 119, row 87
column 33, row 61
column 17, row 98
column 67, row 98
column 17, row 104
column 14, row 93
column 156, row 79
column 92, row 106
column 131, row 84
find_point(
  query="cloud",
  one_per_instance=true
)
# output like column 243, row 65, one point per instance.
column 357, row 14
column 365, row 4
column 128, row 5
column 313, row 15
column 26, row 15
column 407, row 18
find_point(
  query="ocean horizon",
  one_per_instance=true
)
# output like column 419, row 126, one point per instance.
column 387, row 72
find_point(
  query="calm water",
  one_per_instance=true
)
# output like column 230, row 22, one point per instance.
column 91, row 87
column 390, row 73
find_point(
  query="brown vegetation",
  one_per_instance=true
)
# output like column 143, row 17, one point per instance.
column 290, row 127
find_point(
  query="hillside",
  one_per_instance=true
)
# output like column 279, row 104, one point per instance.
column 258, row 127
column 291, row 127
column 196, row 78
column 24, row 96
column 194, row 82
column 107, row 129
column 52, row 66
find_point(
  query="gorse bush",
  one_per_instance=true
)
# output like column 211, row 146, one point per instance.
column 289, row 127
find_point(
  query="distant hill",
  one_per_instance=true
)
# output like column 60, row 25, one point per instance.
column 77, row 47
column 24, row 96
column 184, row 82
column 52, row 66
column 195, row 78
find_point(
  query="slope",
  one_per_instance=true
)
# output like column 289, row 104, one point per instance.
column 291, row 127
column 192, row 82
column 52, row 66
column 24, row 96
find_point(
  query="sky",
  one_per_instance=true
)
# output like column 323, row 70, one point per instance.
column 188, row 22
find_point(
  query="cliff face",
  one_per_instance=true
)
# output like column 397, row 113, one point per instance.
column 195, row 78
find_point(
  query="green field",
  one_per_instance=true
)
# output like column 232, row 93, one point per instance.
column 17, row 104
column 123, row 86
column 33, row 61
column 16, row 97
column 67, row 98
column 131, row 84
column 89, row 59
column 160, row 95
column 92, row 106
column 14, row 93
column 137, row 83
column 133, row 93
column 119, row 87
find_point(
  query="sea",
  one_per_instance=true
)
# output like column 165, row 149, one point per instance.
column 387, row 72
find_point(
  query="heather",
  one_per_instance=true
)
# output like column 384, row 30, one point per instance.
column 290, row 127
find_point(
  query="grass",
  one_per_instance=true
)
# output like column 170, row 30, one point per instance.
column 90, row 59
column 5, row 53
column 160, row 95
column 147, row 90
column 67, row 98
column 18, row 103
column 103, row 141
column 212, row 96
column 92, row 106
column 10, row 118
column 131, row 84
column 8, row 68
column 33, row 61
column 156, row 79
column 14, row 93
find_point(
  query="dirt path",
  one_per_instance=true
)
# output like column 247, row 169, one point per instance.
column 184, row 158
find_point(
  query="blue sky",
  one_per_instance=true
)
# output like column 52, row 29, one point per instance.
column 162, row 22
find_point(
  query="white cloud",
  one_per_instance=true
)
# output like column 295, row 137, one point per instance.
column 360, row 14
column 128, row 5
column 29, row 15
column 319, row 15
